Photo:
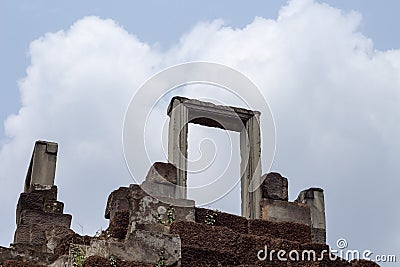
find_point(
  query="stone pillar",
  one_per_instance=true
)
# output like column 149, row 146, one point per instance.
column 177, row 144
column 42, row 167
column 250, row 168
column 41, row 223
column 314, row 198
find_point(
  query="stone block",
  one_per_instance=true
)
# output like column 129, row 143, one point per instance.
column 153, row 214
column 285, row 230
column 318, row 235
column 117, row 201
column 29, row 201
column 274, row 186
column 119, row 225
column 161, row 180
column 283, row 211
column 48, row 192
column 33, row 235
column 314, row 199
column 139, row 246
column 54, row 235
column 162, row 172
column 53, row 206
column 30, row 217
column 148, row 247
column 160, row 189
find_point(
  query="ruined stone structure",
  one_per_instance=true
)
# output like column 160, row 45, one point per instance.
column 183, row 111
column 154, row 224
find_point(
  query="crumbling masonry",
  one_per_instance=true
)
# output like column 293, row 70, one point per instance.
column 154, row 224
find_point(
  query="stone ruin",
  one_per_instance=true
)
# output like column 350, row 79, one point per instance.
column 154, row 224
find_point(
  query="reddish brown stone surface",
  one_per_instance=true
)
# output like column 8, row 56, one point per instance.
column 119, row 225
column 117, row 201
column 15, row 263
column 64, row 244
column 233, row 222
column 286, row 230
column 363, row 263
column 96, row 261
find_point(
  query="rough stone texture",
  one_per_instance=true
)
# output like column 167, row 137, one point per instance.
column 195, row 256
column 63, row 245
column 31, row 234
column 283, row 211
column 53, row 206
column 161, row 180
column 145, row 229
column 233, row 222
column 148, row 247
column 139, row 246
column 29, row 217
column 222, row 239
column 119, row 225
column 274, row 186
column 48, row 192
column 29, row 201
column 285, row 230
column 15, row 263
column 162, row 172
column 17, row 254
column 150, row 213
column 161, row 189
column 117, row 201
column 42, row 166
column 97, row 261
column 314, row 198
column 363, row 263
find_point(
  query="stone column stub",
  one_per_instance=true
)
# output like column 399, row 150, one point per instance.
column 314, row 198
column 42, row 167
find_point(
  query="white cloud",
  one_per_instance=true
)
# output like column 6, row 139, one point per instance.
column 336, row 102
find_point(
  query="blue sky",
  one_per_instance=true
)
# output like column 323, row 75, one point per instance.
column 161, row 22
column 329, row 71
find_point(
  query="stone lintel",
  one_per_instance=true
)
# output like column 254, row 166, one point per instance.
column 212, row 115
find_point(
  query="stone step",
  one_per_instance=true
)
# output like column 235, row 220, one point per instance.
column 30, row 217
column 199, row 257
column 285, row 230
column 291, row 231
column 222, row 239
column 233, row 222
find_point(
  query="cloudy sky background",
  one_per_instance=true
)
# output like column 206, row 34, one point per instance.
column 330, row 72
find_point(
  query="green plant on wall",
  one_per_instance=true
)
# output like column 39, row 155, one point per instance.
column 170, row 213
column 113, row 262
column 211, row 217
column 160, row 262
column 78, row 255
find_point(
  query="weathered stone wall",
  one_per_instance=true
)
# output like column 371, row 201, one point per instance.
column 150, row 226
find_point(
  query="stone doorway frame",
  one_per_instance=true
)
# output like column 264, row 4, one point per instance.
column 183, row 111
